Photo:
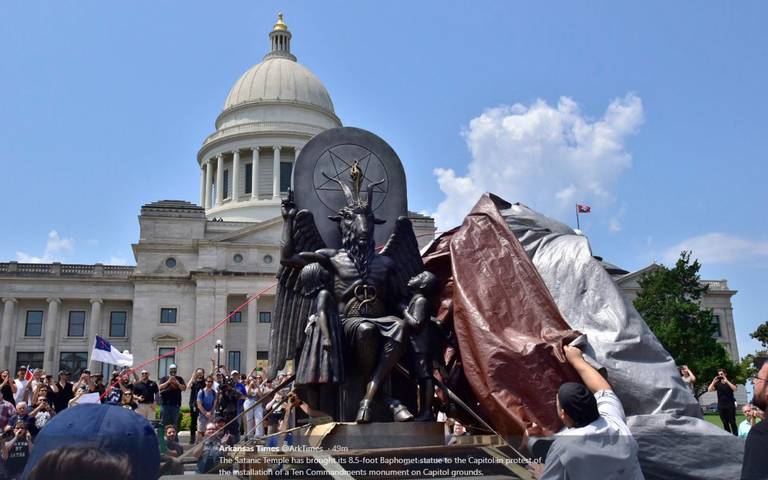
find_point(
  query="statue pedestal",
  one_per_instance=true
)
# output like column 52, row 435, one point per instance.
column 354, row 436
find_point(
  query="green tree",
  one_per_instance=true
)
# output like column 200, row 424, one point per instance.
column 669, row 302
column 761, row 334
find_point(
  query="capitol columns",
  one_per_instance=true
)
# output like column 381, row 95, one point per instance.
column 6, row 329
column 202, row 185
column 296, row 151
column 51, row 331
column 276, row 173
column 95, row 325
column 219, row 179
column 255, row 173
column 208, row 180
column 253, row 320
column 235, row 175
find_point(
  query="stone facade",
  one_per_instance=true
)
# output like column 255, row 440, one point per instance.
column 194, row 264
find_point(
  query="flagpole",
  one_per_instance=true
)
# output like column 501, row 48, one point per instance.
column 578, row 226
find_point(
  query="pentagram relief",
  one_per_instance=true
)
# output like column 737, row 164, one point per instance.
column 337, row 162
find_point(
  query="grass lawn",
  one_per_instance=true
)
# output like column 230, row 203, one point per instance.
column 714, row 419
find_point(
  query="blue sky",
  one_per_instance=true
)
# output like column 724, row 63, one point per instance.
column 653, row 113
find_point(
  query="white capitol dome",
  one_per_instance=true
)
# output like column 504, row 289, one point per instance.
column 270, row 113
column 279, row 80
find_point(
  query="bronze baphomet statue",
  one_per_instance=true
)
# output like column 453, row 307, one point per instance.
column 348, row 311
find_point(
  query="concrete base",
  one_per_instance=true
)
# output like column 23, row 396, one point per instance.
column 356, row 436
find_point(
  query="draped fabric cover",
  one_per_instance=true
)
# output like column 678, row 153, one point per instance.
column 508, row 329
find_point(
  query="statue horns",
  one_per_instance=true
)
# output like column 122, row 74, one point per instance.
column 344, row 188
column 370, row 191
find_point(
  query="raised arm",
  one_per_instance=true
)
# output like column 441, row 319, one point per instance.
column 591, row 377
column 288, row 210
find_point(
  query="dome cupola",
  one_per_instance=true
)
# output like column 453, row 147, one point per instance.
column 272, row 110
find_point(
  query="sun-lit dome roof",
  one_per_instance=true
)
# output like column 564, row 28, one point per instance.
column 279, row 79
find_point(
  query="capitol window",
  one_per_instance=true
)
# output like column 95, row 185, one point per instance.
column 267, row 259
column 117, row 324
column 34, row 326
column 265, row 317
column 237, row 258
column 76, row 327
column 170, row 262
column 167, row 315
column 286, row 170
column 235, row 317
column 73, row 362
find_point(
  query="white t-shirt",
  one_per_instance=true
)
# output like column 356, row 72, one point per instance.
column 20, row 390
column 604, row 449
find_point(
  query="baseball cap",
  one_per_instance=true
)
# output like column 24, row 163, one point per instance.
column 171, row 366
column 233, row 372
column 109, row 428
column 144, row 371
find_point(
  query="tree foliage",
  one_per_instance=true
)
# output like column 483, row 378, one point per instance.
column 761, row 334
column 669, row 302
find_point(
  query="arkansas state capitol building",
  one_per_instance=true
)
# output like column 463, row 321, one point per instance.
column 196, row 264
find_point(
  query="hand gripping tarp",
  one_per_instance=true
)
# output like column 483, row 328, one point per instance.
column 663, row 414
column 509, row 331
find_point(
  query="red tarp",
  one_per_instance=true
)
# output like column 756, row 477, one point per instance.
column 508, row 329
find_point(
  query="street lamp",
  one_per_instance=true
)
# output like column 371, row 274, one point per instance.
column 218, row 347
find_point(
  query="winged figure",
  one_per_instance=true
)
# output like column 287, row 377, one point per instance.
column 368, row 290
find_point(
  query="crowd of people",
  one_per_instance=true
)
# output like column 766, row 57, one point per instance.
column 224, row 406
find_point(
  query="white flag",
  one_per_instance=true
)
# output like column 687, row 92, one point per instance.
column 105, row 352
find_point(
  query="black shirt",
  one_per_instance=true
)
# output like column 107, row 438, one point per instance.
column 17, row 457
column 174, row 446
column 60, row 399
column 8, row 394
column 147, row 389
column 171, row 395
column 755, row 464
column 194, row 389
column 724, row 395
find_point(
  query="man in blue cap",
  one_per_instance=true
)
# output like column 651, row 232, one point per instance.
column 108, row 428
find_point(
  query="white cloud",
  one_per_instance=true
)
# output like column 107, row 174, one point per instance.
column 548, row 157
column 614, row 226
column 55, row 248
column 116, row 261
column 712, row 248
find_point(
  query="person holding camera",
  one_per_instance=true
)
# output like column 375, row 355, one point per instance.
column 227, row 399
column 16, row 451
column 726, row 403
column 171, row 387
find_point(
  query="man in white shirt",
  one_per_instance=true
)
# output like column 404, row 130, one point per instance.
column 23, row 388
column 597, row 442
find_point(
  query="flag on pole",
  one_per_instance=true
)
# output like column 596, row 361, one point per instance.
column 30, row 374
column 583, row 208
column 105, row 352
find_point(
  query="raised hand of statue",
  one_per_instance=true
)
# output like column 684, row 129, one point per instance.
column 288, row 207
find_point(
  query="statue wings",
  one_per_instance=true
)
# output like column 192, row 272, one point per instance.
column 403, row 249
column 292, row 308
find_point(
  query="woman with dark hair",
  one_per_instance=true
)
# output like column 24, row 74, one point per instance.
column 7, row 387
column 81, row 463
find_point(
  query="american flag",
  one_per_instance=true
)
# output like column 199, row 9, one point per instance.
column 583, row 208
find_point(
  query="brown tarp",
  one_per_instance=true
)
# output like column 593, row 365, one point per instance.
column 508, row 329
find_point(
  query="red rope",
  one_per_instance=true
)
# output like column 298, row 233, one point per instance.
column 218, row 325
